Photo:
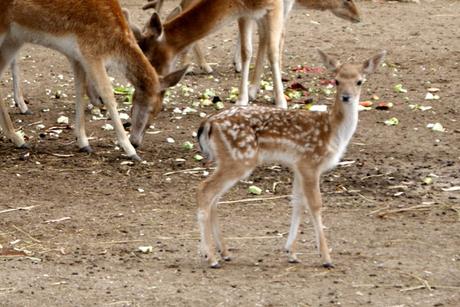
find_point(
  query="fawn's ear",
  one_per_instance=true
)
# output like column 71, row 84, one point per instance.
column 370, row 65
column 331, row 63
column 134, row 28
column 173, row 78
column 154, row 28
column 154, row 4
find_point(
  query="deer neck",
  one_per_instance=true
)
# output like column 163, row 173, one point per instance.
column 197, row 22
column 343, row 120
column 139, row 71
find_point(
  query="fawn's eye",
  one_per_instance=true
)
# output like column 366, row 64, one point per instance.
column 359, row 82
column 336, row 82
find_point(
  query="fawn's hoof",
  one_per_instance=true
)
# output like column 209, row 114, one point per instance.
column 227, row 258
column 328, row 265
column 24, row 146
column 86, row 149
column 27, row 112
column 293, row 260
column 215, row 265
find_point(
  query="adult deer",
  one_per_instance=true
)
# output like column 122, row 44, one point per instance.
column 163, row 42
column 310, row 143
column 345, row 9
column 94, row 99
column 90, row 34
column 197, row 48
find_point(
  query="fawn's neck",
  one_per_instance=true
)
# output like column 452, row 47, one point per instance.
column 197, row 22
column 343, row 120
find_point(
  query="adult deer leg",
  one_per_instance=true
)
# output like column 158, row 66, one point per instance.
column 96, row 72
column 245, row 26
column 17, row 91
column 8, row 50
column 275, row 28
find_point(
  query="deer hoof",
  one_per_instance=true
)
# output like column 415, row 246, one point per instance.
column 24, row 146
column 227, row 258
column 27, row 112
column 215, row 265
column 86, row 149
column 207, row 68
column 328, row 265
column 136, row 158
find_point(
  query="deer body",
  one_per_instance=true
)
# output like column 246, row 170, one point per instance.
column 90, row 34
column 162, row 43
column 240, row 139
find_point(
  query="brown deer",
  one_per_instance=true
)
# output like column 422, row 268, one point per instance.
column 345, row 9
column 162, row 43
column 197, row 48
column 310, row 143
column 90, row 34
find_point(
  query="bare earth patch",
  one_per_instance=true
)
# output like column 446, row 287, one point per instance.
column 395, row 239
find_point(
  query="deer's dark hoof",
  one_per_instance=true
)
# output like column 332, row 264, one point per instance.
column 215, row 265
column 24, row 146
column 86, row 149
column 27, row 112
column 328, row 265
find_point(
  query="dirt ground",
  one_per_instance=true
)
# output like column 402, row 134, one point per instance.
column 395, row 236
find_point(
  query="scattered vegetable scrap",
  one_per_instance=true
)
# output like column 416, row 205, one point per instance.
column 63, row 120
column 254, row 190
column 392, row 121
column 145, row 249
column 126, row 91
column 107, row 127
column 308, row 69
column 398, row 88
column 436, row 127
column 187, row 145
column 198, row 157
column 430, row 96
column 384, row 106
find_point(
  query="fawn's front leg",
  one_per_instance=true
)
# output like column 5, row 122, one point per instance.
column 312, row 194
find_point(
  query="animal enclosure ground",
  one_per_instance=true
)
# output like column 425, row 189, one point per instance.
column 392, row 223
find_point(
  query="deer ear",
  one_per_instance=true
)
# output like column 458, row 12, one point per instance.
column 370, row 65
column 154, row 4
column 331, row 63
column 173, row 78
column 154, row 27
column 177, row 10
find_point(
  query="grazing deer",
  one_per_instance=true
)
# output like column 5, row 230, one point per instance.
column 162, row 43
column 90, row 33
column 94, row 99
column 345, row 9
column 310, row 143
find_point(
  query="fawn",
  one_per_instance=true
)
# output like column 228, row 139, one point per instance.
column 310, row 143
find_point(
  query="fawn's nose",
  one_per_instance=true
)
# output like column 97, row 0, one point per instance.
column 346, row 98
